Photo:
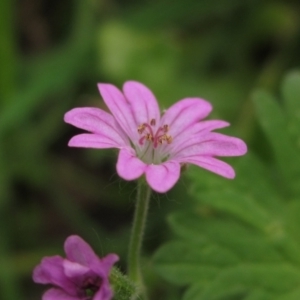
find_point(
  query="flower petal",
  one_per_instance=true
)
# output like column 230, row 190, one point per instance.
column 77, row 250
column 57, row 294
column 74, row 269
column 50, row 270
column 212, row 164
column 211, row 144
column 195, row 132
column 108, row 261
column 163, row 177
column 185, row 113
column 129, row 167
column 105, row 264
column 91, row 140
column 209, row 125
column 143, row 103
column 120, row 108
column 97, row 121
column 105, row 292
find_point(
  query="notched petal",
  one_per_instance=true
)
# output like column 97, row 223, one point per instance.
column 119, row 107
column 129, row 167
column 98, row 122
column 57, row 294
column 185, row 113
column 90, row 140
column 212, row 164
column 163, row 177
column 142, row 101
column 77, row 250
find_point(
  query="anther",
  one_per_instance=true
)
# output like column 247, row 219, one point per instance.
column 166, row 128
column 169, row 139
column 141, row 128
column 162, row 138
column 149, row 137
column 158, row 138
column 153, row 122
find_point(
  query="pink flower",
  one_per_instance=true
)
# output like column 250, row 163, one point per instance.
column 152, row 143
column 80, row 276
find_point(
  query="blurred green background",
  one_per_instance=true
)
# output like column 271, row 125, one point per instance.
column 52, row 54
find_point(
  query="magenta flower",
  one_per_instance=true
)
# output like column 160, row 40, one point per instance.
column 150, row 143
column 80, row 276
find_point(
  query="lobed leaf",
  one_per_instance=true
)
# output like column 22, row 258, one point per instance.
column 274, row 123
column 183, row 263
column 291, row 94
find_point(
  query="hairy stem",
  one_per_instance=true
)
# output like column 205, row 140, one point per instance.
column 138, row 227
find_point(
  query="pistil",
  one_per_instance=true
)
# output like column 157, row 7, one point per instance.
column 158, row 138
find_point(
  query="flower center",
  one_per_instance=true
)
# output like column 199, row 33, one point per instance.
column 151, row 138
column 156, row 138
column 90, row 286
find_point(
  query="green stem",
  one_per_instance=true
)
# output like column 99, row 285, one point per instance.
column 138, row 227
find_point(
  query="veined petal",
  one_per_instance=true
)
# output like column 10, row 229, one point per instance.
column 97, row 121
column 94, row 120
column 195, row 133
column 77, row 250
column 120, row 108
column 57, row 294
column 104, row 293
column 91, row 140
column 74, row 269
column 49, row 268
column 108, row 261
column 211, row 144
column 185, row 113
column 51, row 271
column 206, row 126
column 163, row 177
column 103, row 267
column 129, row 167
column 212, row 164
column 142, row 101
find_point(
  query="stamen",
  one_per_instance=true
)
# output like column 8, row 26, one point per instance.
column 149, row 137
column 166, row 128
column 141, row 140
column 169, row 139
column 159, row 137
column 141, row 128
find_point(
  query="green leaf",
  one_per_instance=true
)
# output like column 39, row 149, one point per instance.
column 294, row 295
column 291, row 94
column 183, row 263
column 222, row 259
column 249, row 246
column 259, row 294
column 274, row 123
column 255, row 178
column 248, row 282
column 231, row 293
column 242, row 206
